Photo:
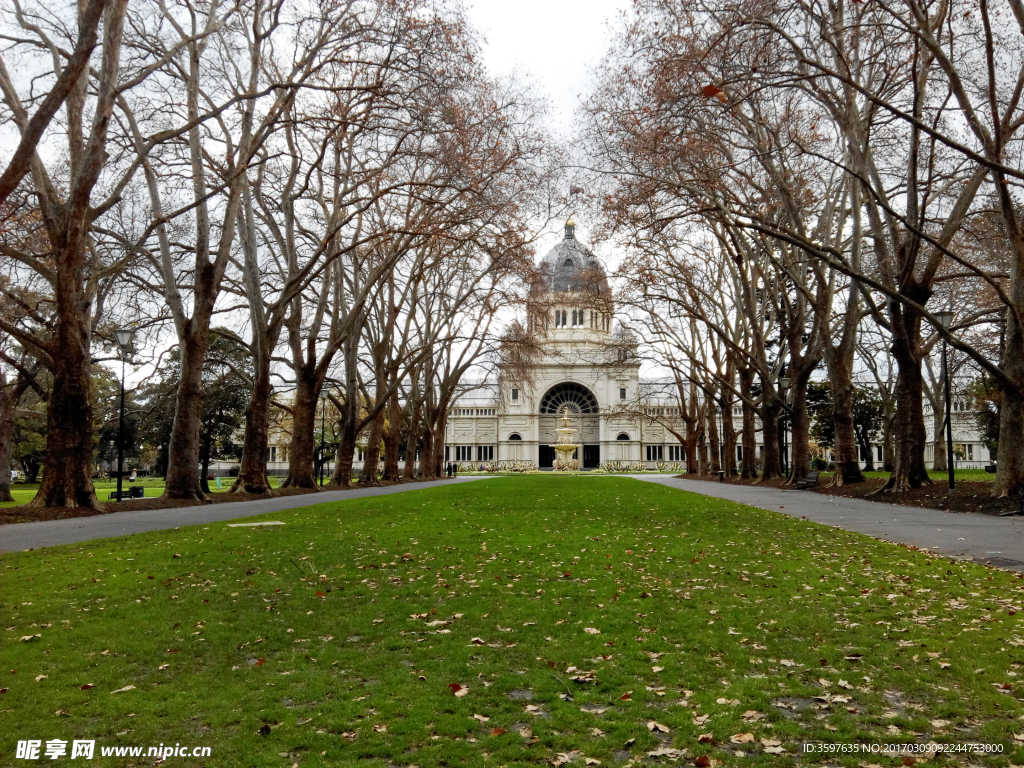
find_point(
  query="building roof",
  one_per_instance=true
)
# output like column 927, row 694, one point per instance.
column 570, row 266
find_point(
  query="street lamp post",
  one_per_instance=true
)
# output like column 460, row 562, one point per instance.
column 945, row 319
column 784, row 382
column 323, row 434
column 124, row 341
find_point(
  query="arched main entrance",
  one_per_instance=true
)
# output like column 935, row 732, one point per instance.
column 583, row 409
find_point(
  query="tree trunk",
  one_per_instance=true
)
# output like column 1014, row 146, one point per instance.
column 182, row 481
column 427, row 462
column 770, row 434
column 7, row 406
column 1010, row 466
column 368, row 476
column 800, row 452
column 728, row 434
column 252, row 474
column 413, row 438
column 888, row 440
column 303, row 445
column 841, row 384
column 702, row 448
column 909, row 471
column 748, row 466
column 346, row 452
column 714, row 444
column 67, row 468
column 392, row 439
column 690, row 447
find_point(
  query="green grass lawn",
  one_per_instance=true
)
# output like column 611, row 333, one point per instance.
column 595, row 618
column 23, row 493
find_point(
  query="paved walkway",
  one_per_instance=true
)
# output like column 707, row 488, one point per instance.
column 17, row 537
column 983, row 538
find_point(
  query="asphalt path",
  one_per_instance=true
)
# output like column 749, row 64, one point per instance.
column 17, row 537
column 982, row 538
column 971, row 536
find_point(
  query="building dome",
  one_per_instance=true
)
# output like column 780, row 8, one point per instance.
column 569, row 266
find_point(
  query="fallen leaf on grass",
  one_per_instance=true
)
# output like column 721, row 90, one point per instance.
column 657, row 669
column 526, row 732
column 497, row 731
column 729, row 702
column 592, row 630
column 87, row 686
column 29, row 638
column 126, row 688
column 458, row 690
column 669, row 752
column 700, row 719
column 380, row 728
column 741, row 738
column 481, row 718
column 41, row 677
column 591, row 761
column 752, row 716
column 939, row 723
column 787, row 663
column 654, row 727
column 706, row 738
column 626, row 696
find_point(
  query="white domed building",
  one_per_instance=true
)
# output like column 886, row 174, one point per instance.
column 575, row 357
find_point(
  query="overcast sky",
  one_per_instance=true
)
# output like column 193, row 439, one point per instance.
column 557, row 44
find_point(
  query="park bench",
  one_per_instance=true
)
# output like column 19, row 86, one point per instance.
column 810, row 482
column 133, row 492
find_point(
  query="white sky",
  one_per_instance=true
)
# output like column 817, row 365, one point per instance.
column 557, row 45
column 557, row 42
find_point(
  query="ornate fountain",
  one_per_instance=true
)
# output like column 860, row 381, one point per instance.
column 566, row 446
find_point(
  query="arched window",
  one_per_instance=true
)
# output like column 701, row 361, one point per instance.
column 622, row 436
column 515, row 436
column 578, row 398
column 567, row 263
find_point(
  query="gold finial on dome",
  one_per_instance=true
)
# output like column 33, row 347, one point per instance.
column 570, row 229
column 569, row 222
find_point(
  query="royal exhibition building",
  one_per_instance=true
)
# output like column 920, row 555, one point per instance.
column 579, row 362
